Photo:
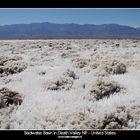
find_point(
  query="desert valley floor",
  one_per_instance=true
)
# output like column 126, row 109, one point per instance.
column 70, row 84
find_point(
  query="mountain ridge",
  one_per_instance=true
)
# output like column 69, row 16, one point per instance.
column 47, row 30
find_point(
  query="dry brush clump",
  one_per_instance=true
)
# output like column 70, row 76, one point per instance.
column 69, row 54
column 104, row 88
column 117, row 120
column 111, row 122
column 94, row 65
column 10, row 66
column 58, row 84
column 4, row 59
column 80, row 62
column 116, row 67
column 70, row 73
column 134, row 116
column 42, row 73
column 9, row 101
column 8, row 97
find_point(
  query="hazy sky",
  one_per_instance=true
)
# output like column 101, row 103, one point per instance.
column 129, row 17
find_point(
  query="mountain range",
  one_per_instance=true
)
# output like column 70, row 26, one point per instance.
column 48, row 30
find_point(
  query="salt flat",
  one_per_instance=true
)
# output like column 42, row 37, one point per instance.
column 70, row 84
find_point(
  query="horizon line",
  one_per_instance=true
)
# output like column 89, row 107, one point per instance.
column 70, row 23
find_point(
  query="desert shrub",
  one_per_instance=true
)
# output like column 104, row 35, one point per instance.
column 42, row 73
column 104, row 89
column 8, row 97
column 59, row 84
column 12, row 69
column 70, row 73
column 69, row 54
column 111, row 122
column 50, row 44
column 11, row 66
column 94, row 66
column 116, row 120
column 116, row 68
column 68, row 48
column 16, row 67
column 63, row 55
column 4, row 59
column 80, row 63
column 117, row 45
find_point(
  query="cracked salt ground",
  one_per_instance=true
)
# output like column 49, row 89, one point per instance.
column 72, row 105
column 131, row 78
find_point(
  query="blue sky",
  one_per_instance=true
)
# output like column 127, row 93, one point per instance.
column 129, row 17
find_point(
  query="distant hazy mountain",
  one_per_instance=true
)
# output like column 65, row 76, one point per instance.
column 55, row 31
column 138, row 28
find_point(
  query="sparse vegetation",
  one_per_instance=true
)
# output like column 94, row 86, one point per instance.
column 10, row 66
column 69, row 73
column 80, row 63
column 59, row 84
column 8, row 97
column 69, row 84
column 116, row 68
column 104, row 89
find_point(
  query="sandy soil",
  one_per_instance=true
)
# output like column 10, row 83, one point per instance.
column 70, row 84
